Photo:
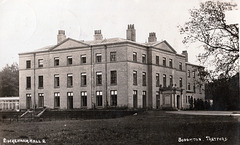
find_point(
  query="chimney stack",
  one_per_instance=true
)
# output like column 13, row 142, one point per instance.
column 152, row 37
column 186, row 54
column 98, row 35
column 131, row 33
column 61, row 36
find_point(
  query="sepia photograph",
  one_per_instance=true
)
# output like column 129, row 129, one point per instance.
column 119, row 72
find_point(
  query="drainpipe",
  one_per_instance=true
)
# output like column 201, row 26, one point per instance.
column 106, row 93
column 34, row 77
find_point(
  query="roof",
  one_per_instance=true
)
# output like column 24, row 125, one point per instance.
column 188, row 63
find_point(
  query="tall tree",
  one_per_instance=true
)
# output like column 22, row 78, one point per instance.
column 220, row 40
column 9, row 81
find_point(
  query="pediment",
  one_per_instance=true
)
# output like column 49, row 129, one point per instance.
column 69, row 43
column 164, row 46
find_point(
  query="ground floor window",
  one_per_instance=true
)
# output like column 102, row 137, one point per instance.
column 113, row 98
column 157, row 100
column 40, row 100
column 99, row 98
column 70, row 100
column 56, row 100
column 135, row 99
column 144, row 99
column 28, row 101
column 84, row 98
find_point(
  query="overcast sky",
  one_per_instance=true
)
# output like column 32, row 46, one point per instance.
column 26, row 25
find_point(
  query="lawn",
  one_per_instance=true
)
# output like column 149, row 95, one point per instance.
column 153, row 127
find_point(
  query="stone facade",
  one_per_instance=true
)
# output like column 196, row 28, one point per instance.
column 107, row 72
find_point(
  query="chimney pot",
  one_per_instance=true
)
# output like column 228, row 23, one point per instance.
column 152, row 37
column 131, row 33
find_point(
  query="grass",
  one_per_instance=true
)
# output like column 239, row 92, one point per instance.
column 153, row 127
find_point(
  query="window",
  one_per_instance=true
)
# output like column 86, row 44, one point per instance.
column 69, row 80
column 144, row 79
column 98, row 57
column 164, row 61
column 84, row 98
column 144, row 99
column 56, row 61
column 28, row 82
column 180, row 82
column 157, row 60
column 200, row 88
column 40, row 63
column 134, row 77
column 134, row 57
column 194, row 74
column 28, row 64
column 40, row 100
column 28, row 101
column 135, row 103
column 194, row 88
column 164, row 80
column 170, row 63
column 157, row 80
column 99, row 98
column 189, row 73
column 83, row 58
column 56, row 100
column 40, row 82
column 69, row 60
column 69, row 100
column 112, row 56
column 171, row 81
column 113, row 97
column 99, row 78
column 189, row 87
column 83, row 79
column 56, row 81
column 144, row 58
column 113, row 77
column 180, row 66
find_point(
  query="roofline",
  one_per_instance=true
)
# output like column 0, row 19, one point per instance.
column 188, row 63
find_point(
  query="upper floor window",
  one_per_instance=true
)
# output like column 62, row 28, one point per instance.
column 144, row 79
column 28, row 64
column 40, row 82
column 134, row 57
column 200, row 88
column 170, row 63
column 189, row 87
column 56, row 61
column 180, row 82
column 134, row 77
column 83, row 79
column 98, row 57
column 113, row 77
column 144, row 58
column 83, row 58
column 164, row 80
column 194, row 74
column 69, row 80
column 69, row 60
column 56, row 81
column 194, row 88
column 171, row 80
column 189, row 73
column 40, row 63
column 28, row 82
column 157, row 80
column 99, row 78
column 180, row 66
column 164, row 61
column 157, row 60
column 112, row 56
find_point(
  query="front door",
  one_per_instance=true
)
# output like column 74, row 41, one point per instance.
column 29, row 102
column 178, row 101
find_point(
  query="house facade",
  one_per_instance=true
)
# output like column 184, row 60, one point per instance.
column 113, row 72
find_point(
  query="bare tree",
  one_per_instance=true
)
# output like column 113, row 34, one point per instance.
column 220, row 40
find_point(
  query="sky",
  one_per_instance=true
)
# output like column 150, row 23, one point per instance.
column 26, row 25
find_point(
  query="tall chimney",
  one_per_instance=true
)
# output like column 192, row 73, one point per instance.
column 98, row 35
column 61, row 36
column 131, row 33
column 152, row 37
column 186, row 55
